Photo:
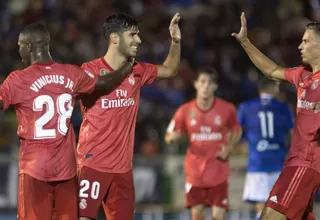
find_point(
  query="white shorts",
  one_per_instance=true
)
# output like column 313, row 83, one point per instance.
column 258, row 185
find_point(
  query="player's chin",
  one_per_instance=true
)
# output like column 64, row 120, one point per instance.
column 133, row 53
column 305, row 61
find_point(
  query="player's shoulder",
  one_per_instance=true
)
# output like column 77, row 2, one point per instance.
column 186, row 106
column 92, row 62
column 140, row 67
column 280, row 103
column 251, row 102
column 224, row 103
column 93, row 66
column 19, row 74
column 67, row 66
column 189, row 104
column 302, row 70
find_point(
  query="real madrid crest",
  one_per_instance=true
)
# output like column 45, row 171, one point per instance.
column 131, row 79
column 217, row 120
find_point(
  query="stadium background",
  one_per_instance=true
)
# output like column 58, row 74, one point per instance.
column 275, row 26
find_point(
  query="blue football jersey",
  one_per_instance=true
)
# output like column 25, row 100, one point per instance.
column 266, row 123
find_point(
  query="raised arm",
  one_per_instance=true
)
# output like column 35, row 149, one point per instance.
column 263, row 63
column 109, row 81
column 170, row 66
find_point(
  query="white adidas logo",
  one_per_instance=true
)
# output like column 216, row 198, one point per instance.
column 225, row 201
column 274, row 199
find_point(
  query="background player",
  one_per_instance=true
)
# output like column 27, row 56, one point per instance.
column 106, row 138
column 291, row 196
column 213, row 130
column 43, row 95
column 266, row 123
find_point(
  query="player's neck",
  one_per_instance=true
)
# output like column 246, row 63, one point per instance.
column 114, row 59
column 315, row 68
column 205, row 104
column 40, row 56
column 266, row 95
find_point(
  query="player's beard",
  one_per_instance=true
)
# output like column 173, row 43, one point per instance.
column 124, row 49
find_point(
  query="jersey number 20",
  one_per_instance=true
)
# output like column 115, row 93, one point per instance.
column 266, row 124
column 52, row 107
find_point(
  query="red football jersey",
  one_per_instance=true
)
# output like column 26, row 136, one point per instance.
column 304, row 151
column 43, row 96
column 106, row 137
column 206, row 131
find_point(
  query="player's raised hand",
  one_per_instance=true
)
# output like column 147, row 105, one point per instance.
column 174, row 28
column 242, row 35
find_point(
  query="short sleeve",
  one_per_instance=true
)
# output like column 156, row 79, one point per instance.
column 86, row 80
column 149, row 73
column 233, row 123
column 177, row 123
column 293, row 74
column 9, row 90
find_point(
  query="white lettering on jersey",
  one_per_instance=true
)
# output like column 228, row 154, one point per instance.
column 264, row 145
column 305, row 104
column 121, row 101
column 206, row 135
column 215, row 136
column 117, row 103
column 49, row 79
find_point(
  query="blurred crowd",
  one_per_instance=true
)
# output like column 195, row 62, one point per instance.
column 75, row 26
column 275, row 27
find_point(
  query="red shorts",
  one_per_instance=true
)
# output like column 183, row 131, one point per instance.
column 213, row 196
column 115, row 191
column 292, row 194
column 37, row 199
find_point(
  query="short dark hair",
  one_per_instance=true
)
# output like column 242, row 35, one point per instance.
column 36, row 32
column 266, row 83
column 210, row 72
column 118, row 23
column 313, row 26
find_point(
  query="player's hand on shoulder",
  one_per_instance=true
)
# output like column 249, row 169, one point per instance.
column 242, row 35
column 224, row 153
column 174, row 28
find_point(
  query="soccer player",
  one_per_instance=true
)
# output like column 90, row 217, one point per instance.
column 291, row 196
column 106, row 140
column 266, row 123
column 212, row 128
column 43, row 95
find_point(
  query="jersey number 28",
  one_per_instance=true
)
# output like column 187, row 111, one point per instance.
column 63, row 106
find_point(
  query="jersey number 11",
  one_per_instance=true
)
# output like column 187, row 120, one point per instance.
column 266, row 124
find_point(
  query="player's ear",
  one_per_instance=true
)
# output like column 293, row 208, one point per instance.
column 114, row 38
column 215, row 86
column 29, row 47
column 195, row 83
